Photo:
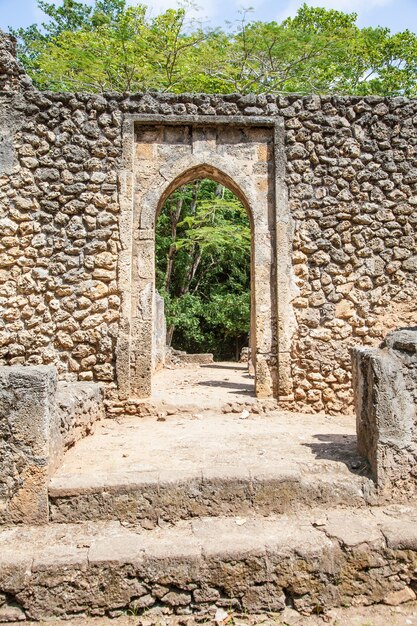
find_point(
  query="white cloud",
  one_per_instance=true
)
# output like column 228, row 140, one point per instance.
column 348, row 6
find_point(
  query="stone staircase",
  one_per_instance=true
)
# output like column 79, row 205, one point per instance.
column 311, row 561
column 148, row 472
column 199, row 512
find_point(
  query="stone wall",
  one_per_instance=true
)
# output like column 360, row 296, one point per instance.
column 352, row 180
column 12, row 73
column 351, row 177
column 385, row 389
column 26, row 398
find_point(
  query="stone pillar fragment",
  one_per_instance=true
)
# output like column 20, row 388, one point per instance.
column 159, row 333
column 12, row 72
column 385, row 392
column 27, row 401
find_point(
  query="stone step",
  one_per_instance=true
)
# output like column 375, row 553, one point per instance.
column 311, row 561
column 151, row 498
column 143, row 471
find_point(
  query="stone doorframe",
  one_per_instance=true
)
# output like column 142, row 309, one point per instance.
column 272, row 286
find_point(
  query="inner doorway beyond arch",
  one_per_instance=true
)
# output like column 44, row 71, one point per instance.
column 202, row 275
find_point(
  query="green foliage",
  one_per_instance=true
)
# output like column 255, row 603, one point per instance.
column 110, row 46
column 113, row 46
column 203, row 268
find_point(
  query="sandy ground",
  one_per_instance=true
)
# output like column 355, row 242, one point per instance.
column 204, row 386
column 377, row 615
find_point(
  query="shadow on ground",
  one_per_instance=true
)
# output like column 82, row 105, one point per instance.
column 242, row 387
column 341, row 448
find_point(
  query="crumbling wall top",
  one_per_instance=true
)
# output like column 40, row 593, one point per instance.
column 12, row 73
column 385, row 389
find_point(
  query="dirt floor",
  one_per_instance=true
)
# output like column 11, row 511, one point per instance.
column 377, row 615
column 204, row 386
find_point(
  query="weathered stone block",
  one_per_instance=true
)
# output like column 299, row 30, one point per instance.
column 385, row 392
column 39, row 420
column 27, row 396
column 159, row 333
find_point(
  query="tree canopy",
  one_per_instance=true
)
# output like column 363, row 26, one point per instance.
column 113, row 46
column 203, row 269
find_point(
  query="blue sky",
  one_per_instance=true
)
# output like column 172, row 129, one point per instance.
column 396, row 14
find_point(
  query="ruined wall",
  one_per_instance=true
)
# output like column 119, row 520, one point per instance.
column 26, row 415
column 352, row 181
column 351, row 175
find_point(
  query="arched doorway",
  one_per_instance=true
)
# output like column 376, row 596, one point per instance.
column 220, row 226
column 261, row 331
column 172, row 153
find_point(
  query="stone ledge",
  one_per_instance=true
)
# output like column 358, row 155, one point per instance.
column 80, row 405
column 149, row 497
column 322, row 559
column 148, row 469
column 39, row 420
column 27, row 396
column 385, row 390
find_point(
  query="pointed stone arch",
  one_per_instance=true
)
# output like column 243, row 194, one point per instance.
column 205, row 170
column 160, row 158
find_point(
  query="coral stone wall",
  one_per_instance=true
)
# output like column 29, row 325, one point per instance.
column 59, row 235
column 352, row 179
column 351, row 175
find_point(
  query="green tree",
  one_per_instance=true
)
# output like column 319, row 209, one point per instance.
column 110, row 46
column 69, row 17
column 317, row 51
column 203, row 268
column 115, row 46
